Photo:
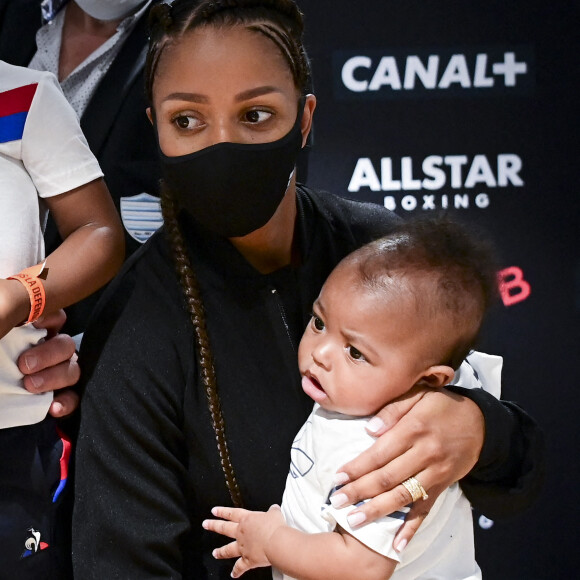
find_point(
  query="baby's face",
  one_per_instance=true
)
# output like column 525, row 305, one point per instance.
column 361, row 350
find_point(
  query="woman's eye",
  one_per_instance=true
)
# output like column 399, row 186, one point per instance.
column 255, row 116
column 317, row 322
column 185, row 121
column 355, row 353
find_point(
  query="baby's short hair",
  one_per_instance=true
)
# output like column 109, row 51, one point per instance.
column 450, row 270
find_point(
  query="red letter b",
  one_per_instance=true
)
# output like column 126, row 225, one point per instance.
column 512, row 286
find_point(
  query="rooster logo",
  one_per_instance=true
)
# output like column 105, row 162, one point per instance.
column 33, row 543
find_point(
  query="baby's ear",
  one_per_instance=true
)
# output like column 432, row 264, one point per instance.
column 437, row 376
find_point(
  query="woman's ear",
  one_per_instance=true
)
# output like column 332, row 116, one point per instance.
column 149, row 114
column 437, row 376
column 306, row 125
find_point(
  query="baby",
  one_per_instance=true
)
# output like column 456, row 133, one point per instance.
column 401, row 312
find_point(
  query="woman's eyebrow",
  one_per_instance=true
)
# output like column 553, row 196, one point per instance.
column 191, row 97
column 256, row 92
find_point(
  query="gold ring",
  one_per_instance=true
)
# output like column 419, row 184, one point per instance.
column 415, row 489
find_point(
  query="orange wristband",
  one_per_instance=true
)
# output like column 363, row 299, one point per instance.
column 30, row 279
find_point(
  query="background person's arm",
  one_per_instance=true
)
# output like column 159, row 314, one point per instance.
column 90, row 255
column 67, row 177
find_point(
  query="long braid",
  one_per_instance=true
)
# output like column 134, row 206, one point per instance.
column 196, row 312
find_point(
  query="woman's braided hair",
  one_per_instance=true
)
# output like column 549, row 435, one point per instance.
column 281, row 22
column 195, row 309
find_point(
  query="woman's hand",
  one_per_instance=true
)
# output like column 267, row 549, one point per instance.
column 52, row 365
column 251, row 532
column 434, row 435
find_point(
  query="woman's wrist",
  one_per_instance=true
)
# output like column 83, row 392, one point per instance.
column 498, row 427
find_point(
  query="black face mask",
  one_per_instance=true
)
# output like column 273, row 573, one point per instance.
column 234, row 189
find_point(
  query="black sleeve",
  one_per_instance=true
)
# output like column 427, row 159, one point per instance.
column 130, row 516
column 510, row 472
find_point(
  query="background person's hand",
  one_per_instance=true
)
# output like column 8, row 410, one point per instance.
column 434, row 435
column 52, row 366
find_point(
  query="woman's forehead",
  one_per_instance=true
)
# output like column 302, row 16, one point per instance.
column 213, row 52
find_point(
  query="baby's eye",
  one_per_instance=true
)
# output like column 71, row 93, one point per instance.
column 355, row 353
column 317, row 322
column 254, row 116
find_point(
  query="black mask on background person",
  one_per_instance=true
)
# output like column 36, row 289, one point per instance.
column 234, row 189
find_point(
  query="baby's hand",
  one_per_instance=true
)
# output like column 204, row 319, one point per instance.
column 251, row 532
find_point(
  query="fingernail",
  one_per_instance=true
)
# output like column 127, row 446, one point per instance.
column 31, row 362
column 204, row 524
column 355, row 519
column 401, row 546
column 338, row 500
column 214, row 511
column 36, row 381
column 57, row 408
column 340, row 478
column 375, row 424
column 214, row 554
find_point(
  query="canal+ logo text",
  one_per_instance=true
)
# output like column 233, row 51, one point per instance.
column 409, row 73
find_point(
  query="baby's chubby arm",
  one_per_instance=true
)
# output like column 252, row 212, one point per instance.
column 264, row 539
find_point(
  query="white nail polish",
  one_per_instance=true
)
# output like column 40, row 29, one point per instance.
column 338, row 500
column 355, row 519
column 340, row 478
column 375, row 424
column 401, row 546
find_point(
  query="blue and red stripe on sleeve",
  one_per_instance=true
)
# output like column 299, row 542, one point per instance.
column 14, row 107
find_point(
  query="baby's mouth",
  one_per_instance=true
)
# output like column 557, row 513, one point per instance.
column 315, row 382
column 312, row 387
